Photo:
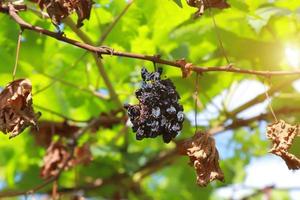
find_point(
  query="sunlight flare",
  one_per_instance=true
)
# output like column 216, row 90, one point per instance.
column 292, row 56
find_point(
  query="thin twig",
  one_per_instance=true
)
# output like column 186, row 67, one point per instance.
column 54, row 190
column 217, row 32
column 59, row 114
column 107, row 51
column 83, row 89
column 261, row 97
column 108, row 30
column 17, row 55
column 196, row 100
column 114, row 23
column 246, row 122
column 270, row 104
column 258, row 99
column 73, row 66
column 99, row 63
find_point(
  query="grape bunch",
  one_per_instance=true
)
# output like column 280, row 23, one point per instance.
column 158, row 111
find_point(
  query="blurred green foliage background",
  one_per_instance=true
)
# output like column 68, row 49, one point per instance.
column 255, row 35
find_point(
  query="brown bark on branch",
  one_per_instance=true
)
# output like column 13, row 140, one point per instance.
column 99, row 63
column 12, row 11
column 262, row 97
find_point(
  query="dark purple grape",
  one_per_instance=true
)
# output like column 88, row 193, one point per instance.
column 180, row 116
column 167, row 137
column 158, row 111
column 171, row 110
column 138, row 93
column 176, row 127
column 144, row 74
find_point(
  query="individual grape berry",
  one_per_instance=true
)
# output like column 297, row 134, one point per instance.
column 171, row 110
column 180, row 116
column 158, row 111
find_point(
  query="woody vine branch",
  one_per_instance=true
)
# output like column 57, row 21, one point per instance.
column 101, row 50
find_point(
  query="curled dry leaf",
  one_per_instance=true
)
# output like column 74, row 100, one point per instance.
column 202, row 5
column 282, row 135
column 204, row 157
column 16, row 112
column 58, row 158
column 186, row 68
column 60, row 9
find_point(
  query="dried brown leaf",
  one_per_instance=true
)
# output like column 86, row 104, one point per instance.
column 186, row 68
column 58, row 158
column 83, row 10
column 16, row 111
column 204, row 157
column 202, row 5
column 282, row 135
column 55, row 159
column 60, row 9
